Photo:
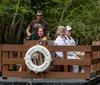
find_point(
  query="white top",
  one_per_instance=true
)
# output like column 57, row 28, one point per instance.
column 60, row 41
column 70, row 41
column 63, row 41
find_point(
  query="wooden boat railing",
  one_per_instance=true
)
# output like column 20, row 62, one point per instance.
column 12, row 56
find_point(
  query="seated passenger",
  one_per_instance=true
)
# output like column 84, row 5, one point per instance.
column 61, row 41
column 70, row 41
column 41, row 35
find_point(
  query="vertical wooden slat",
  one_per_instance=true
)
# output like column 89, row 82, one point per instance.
column 53, row 56
column 5, row 55
column 24, row 65
column 98, row 65
column 18, row 54
column 65, row 57
column 30, row 42
column 87, row 67
column 21, row 67
column 11, row 56
column 23, row 54
column 18, row 67
column 96, row 55
column 48, row 69
column 44, row 43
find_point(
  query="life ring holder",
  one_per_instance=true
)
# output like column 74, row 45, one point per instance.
column 47, row 58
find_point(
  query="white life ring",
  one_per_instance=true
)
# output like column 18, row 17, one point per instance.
column 29, row 62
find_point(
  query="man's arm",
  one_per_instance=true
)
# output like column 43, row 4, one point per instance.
column 28, row 32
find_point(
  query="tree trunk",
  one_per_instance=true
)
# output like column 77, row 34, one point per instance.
column 19, row 36
column 12, row 38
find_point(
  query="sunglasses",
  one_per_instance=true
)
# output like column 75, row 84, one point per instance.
column 39, row 15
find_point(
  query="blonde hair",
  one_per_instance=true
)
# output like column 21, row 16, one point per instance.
column 60, row 29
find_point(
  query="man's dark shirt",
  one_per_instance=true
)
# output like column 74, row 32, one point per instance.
column 34, row 24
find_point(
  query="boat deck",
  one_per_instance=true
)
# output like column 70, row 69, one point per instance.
column 29, row 81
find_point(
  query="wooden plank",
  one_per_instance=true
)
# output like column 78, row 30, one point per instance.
column 23, row 54
column 30, row 42
column 54, row 62
column 98, row 72
column 50, row 48
column 24, row 48
column 96, row 53
column 95, row 43
column 23, row 65
column 65, row 57
column 71, row 62
column 95, row 48
column 95, row 61
column 82, row 48
column 98, row 65
column 34, row 42
column 62, row 75
column 13, row 61
column 87, row 67
column 15, row 47
column 16, row 74
column 18, row 54
column 11, row 56
column 5, row 55
column 51, row 42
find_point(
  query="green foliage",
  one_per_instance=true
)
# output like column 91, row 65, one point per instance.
column 82, row 15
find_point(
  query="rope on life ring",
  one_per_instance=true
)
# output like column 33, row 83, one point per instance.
column 31, row 65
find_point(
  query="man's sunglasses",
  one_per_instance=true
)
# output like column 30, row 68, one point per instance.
column 39, row 15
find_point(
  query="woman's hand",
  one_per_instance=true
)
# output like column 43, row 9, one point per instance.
column 76, row 57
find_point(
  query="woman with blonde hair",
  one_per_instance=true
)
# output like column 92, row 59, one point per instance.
column 61, row 41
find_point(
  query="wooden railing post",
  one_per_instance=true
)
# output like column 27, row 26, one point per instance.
column 5, row 54
column 10, row 56
column 22, row 49
column 87, row 67
column 65, row 57
column 96, row 54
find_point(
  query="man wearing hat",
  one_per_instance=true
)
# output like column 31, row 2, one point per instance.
column 61, row 40
column 72, row 55
column 69, row 39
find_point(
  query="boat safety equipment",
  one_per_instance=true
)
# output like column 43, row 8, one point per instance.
column 29, row 56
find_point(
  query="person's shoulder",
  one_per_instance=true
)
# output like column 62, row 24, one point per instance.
column 44, row 38
column 57, row 39
column 66, row 38
column 45, row 22
column 34, row 20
